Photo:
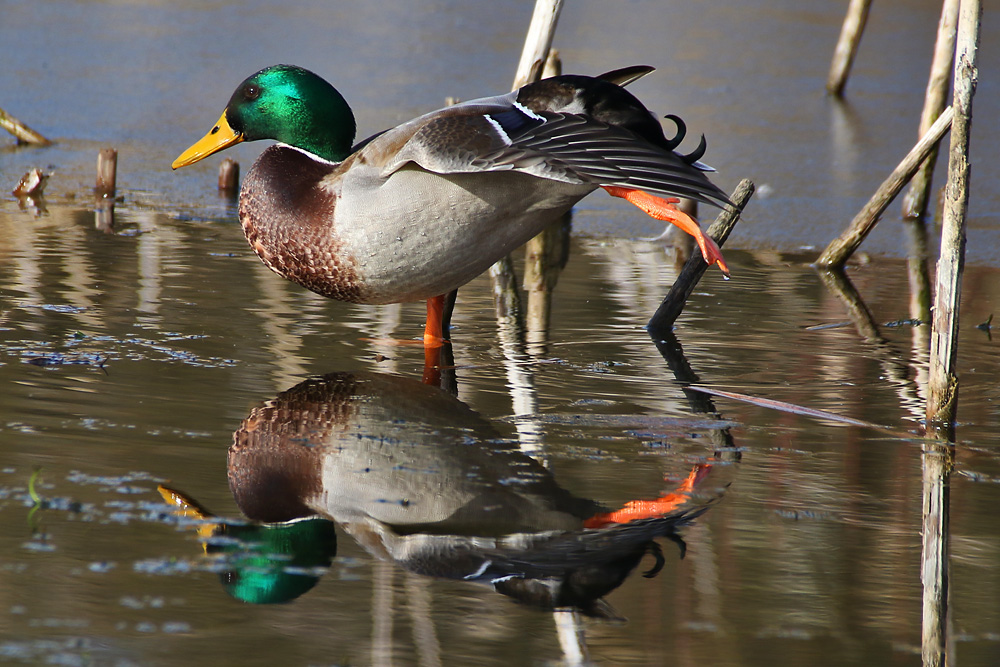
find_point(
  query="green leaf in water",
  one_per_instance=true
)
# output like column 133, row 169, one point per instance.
column 35, row 498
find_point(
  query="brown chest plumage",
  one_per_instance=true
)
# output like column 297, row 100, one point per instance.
column 287, row 219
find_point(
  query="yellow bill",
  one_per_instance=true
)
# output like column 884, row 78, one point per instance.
column 219, row 137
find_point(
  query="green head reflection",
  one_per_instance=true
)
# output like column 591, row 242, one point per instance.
column 260, row 563
column 273, row 563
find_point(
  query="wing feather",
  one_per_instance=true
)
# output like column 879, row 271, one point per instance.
column 498, row 134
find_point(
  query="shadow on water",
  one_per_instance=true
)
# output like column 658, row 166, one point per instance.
column 420, row 480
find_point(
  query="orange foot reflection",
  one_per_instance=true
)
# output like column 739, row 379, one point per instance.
column 647, row 509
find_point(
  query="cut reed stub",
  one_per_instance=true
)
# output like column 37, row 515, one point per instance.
column 107, row 173
column 229, row 176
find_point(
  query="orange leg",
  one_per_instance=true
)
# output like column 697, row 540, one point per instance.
column 646, row 509
column 434, row 339
column 664, row 209
column 434, row 335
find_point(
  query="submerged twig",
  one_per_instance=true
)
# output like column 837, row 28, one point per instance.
column 801, row 410
column 665, row 316
column 35, row 498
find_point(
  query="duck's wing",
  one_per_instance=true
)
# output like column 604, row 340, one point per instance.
column 502, row 134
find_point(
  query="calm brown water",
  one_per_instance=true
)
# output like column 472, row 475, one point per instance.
column 129, row 360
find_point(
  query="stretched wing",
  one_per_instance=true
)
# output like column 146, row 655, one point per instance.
column 568, row 145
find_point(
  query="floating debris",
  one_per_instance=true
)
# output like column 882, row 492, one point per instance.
column 31, row 184
column 57, row 359
column 913, row 322
column 622, row 421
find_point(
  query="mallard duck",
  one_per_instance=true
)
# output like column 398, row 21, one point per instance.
column 419, row 210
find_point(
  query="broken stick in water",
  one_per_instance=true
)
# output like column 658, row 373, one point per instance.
column 24, row 134
column 229, row 176
column 842, row 247
column 107, row 177
column 107, row 173
column 673, row 304
column 31, row 184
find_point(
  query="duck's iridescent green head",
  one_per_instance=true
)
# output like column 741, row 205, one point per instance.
column 286, row 104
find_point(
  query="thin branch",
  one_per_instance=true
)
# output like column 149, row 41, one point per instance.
column 23, row 133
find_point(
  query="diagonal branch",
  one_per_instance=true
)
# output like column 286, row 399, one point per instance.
column 842, row 247
column 664, row 317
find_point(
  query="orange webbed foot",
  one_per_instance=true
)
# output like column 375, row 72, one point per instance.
column 665, row 209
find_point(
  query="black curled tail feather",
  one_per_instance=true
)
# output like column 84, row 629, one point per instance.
column 698, row 153
column 679, row 135
column 605, row 101
column 672, row 143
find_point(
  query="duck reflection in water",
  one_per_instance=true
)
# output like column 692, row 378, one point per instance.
column 418, row 478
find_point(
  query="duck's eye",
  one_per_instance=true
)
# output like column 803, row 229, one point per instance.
column 250, row 93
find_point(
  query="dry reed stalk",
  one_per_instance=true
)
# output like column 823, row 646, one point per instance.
column 535, row 52
column 943, row 382
column 847, row 46
column 935, row 99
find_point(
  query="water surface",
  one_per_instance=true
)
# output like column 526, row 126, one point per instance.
column 131, row 359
